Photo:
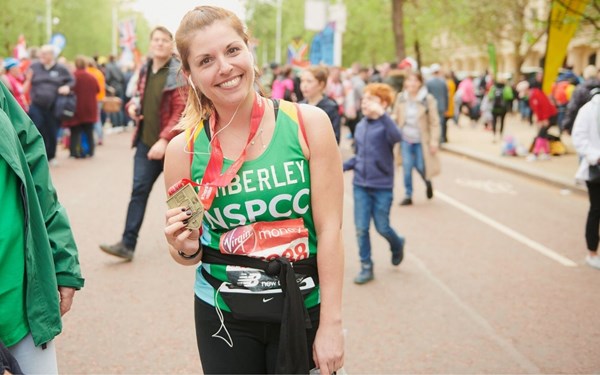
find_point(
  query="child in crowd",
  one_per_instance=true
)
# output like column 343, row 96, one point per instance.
column 373, row 166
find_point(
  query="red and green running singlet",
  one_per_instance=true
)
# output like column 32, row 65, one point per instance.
column 275, row 187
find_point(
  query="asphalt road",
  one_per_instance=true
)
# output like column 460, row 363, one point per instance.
column 493, row 280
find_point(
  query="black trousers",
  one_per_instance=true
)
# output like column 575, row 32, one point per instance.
column 496, row 117
column 255, row 344
column 593, row 219
column 76, row 147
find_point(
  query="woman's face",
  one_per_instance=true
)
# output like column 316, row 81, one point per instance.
column 310, row 86
column 221, row 65
column 412, row 84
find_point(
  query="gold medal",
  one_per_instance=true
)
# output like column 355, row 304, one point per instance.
column 187, row 197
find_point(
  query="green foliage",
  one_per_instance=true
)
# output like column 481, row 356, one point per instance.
column 262, row 23
column 86, row 24
column 369, row 38
column 21, row 17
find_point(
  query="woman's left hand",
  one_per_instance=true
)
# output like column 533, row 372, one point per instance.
column 328, row 348
column 433, row 149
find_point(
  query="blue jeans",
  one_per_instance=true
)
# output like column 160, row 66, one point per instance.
column 47, row 125
column 145, row 173
column 373, row 203
column 412, row 157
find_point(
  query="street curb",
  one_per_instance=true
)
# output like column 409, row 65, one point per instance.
column 560, row 182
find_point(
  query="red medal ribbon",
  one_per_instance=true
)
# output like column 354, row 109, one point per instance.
column 213, row 178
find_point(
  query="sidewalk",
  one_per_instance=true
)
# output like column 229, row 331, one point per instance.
column 476, row 143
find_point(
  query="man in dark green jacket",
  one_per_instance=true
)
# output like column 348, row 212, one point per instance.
column 39, row 266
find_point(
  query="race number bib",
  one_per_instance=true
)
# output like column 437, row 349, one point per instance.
column 266, row 241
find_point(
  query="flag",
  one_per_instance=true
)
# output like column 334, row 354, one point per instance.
column 296, row 53
column 562, row 23
column 493, row 61
column 321, row 50
column 127, row 38
column 20, row 50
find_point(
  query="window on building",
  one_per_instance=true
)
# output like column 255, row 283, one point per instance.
column 592, row 59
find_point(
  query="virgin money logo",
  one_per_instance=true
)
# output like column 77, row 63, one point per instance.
column 240, row 240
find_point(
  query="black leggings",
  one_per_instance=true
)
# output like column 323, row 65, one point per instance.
column 593, row 219
column 496, row 117
column 255, row 344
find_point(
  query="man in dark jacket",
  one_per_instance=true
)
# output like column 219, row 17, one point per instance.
column 48, row 80
column 581, row 95
column 40, row 266
column 156, row 108
column 115, row 80
column 437, row 87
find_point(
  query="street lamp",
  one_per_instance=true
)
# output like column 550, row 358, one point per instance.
column 48, row 19
column 278, row 34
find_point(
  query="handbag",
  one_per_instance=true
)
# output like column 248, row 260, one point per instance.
column 65, row 106
column 111, row 104
column 594, row 174
column 594, row 170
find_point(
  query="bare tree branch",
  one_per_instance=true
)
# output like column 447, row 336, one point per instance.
column 593, row 21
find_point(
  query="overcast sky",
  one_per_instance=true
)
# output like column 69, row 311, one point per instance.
column 170, row 12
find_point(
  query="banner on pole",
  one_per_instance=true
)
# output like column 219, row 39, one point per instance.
column 297, row 53
column 493, row 60
column 562, row 24
column 127, row 37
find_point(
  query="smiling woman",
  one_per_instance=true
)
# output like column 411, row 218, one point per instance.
column 254, row 313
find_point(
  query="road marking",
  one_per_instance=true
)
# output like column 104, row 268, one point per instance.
column 505, row 344
column 489, row 186
column 507, row 231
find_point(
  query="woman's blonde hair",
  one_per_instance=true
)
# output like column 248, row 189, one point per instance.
column 198, row 106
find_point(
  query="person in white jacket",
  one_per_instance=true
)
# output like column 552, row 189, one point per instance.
column 586, row 138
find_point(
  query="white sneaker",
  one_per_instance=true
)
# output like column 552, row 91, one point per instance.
column 531, row 157
column 544, row 157
column 593, row 261
column 53, row 163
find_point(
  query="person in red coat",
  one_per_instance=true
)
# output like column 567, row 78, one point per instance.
column 86, row 113
column 546, row 116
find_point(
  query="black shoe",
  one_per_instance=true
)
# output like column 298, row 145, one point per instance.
column 406, row 202
column 429, row 189
column 397, row 256
column 119, row 250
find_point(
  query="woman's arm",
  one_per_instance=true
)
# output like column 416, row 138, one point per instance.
column 327, row 192
column 177, row 167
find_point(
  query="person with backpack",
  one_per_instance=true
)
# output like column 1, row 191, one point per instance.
column 586, row 139
column 580, row 96
column 416, row 113
column 501, row 95
column 560, row 95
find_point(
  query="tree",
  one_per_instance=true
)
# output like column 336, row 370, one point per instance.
column 398, row 26
column 86, row 24
column 501, row 22
column 591, row 16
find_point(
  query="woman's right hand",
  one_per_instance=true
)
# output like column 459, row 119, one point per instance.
column 178, row 236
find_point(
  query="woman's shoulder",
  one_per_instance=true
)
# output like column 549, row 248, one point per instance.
column 177, row 145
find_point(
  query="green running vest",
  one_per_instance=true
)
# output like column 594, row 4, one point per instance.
column 275, row 186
